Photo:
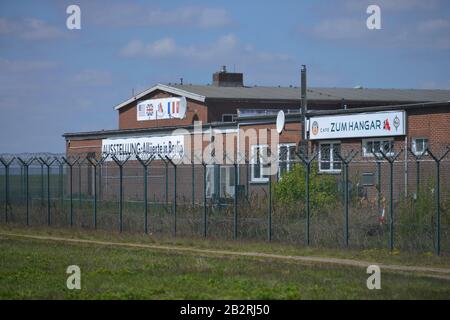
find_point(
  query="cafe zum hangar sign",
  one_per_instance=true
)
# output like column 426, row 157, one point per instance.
column 375, row 124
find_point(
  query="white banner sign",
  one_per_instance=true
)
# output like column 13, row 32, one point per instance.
column 170, row 146
column 376, row 124
column 166, row 108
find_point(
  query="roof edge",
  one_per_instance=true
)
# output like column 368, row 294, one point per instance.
column 378, row 108
column 165, row 88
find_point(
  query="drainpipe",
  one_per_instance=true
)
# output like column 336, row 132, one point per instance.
column 406, row 166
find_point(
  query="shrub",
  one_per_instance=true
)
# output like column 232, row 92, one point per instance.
column 292, row 187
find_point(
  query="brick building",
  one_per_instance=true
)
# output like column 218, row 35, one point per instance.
column 163, row 121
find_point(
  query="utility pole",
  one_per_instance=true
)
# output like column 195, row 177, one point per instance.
column 304, row 107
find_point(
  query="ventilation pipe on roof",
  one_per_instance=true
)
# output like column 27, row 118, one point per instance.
column 304, row 106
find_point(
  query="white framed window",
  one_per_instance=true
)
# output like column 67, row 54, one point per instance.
column 286, row 156
column 226, row 181
column 260, row 163
column 371, row 146
column 419, row 146
column 212, row 176
column 328, row 160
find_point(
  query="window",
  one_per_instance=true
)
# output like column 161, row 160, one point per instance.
column 375, row 146
column 226, row 181
column 211, row 180
column 367, row 179
column 286, row 156
column 419, row 146
column 228, row 117
column 328, row 159
column 260, row 163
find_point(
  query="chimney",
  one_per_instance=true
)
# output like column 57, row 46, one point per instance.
column 303, row 89
column 304, row 107
column 223, row 78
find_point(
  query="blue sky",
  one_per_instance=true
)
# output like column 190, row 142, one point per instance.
column 54, row 80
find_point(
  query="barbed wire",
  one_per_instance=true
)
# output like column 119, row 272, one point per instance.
column 261, row 156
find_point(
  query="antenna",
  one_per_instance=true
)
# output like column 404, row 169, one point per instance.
column 280, row 121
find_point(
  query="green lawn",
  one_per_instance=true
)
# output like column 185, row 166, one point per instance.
column 32, row 269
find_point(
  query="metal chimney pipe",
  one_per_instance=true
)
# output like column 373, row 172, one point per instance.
column 304, row 103
column 303, row 89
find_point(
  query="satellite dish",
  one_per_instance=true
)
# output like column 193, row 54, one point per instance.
column 280, row 121
column 183, row 107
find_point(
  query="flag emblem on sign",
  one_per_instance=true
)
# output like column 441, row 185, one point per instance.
column 386, row 125
column 173, row 107
column 149, row 110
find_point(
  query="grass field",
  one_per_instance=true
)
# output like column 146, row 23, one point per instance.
column 36, row 269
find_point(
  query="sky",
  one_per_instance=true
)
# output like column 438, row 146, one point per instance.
column 55, row 80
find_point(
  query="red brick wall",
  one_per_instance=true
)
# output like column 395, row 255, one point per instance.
column 128, row 114
column 434, row 124
column 82, row 147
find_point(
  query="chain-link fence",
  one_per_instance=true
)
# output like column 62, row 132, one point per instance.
column 324, row 197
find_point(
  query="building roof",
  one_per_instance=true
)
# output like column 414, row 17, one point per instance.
column 209, row 92
column 267, row 118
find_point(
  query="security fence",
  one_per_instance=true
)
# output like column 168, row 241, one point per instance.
column 395, row 199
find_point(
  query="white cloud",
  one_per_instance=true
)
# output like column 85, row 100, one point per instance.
column 225, row 48
column 194, row 16
column 29, row 29
column 91, row 77
column 26, row 66
column 434, row 25
column 160, row 48
column 392, row 5
column 340, row 28
column 120, row 14
column 424, row 33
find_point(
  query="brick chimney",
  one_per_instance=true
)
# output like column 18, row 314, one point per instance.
column 223, row 78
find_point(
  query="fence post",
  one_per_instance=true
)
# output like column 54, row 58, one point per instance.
column 79, row 187
column 307, row 162
column 174, row 205
column 95, row 196
column 247, row 179
column 6, row 164
column 60, row 182
column 269, row 214
column 437, row 218
column 100, row 177
column 42, row 183
column 205, row 222
column 167, row 182
column 378, row 184
column 418, row 157
column 70, row 165
column 48, row 164
column 391, row 161
column 27, row 192
column 26, row 164
column 120, row 164
column 345, row 162
column 61, row 185
column 235, row 209
column 193, row 183
column 95, row 164
column 145, row 164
